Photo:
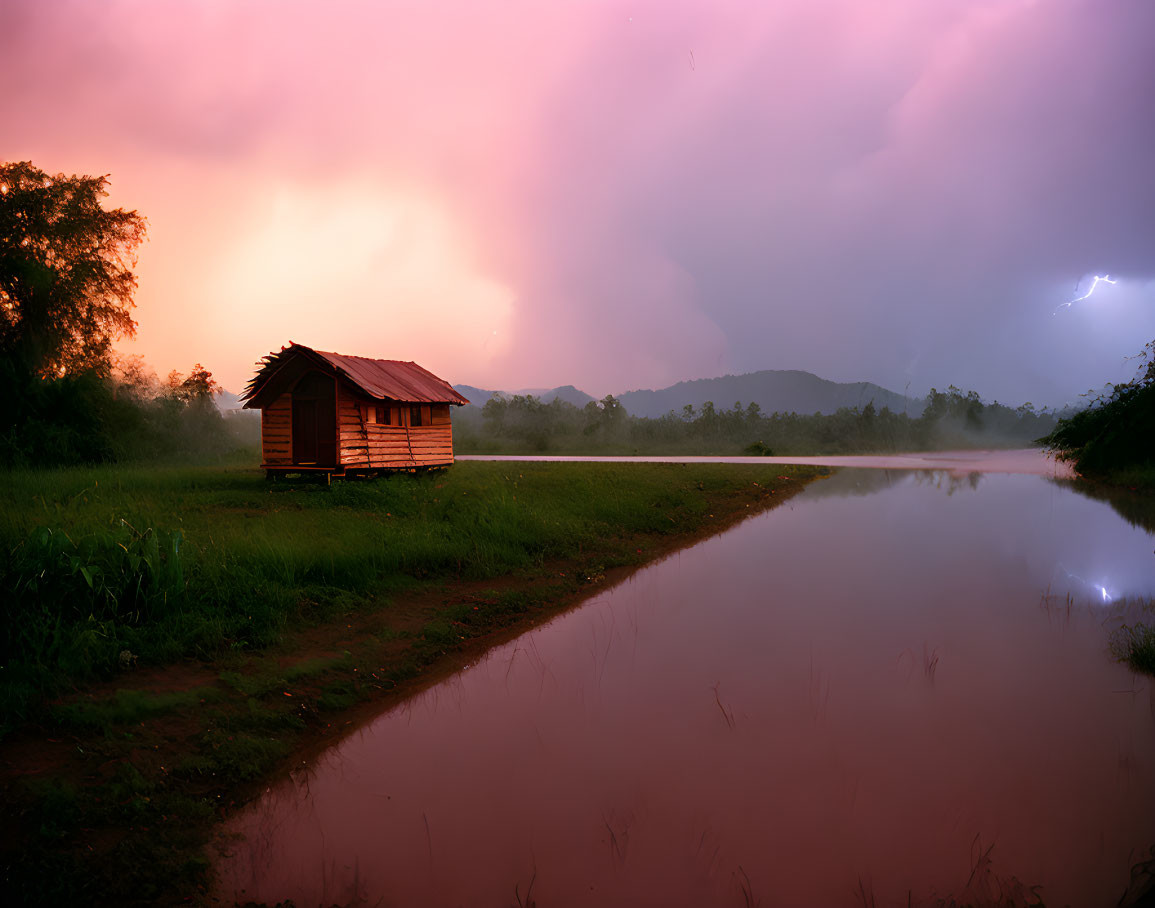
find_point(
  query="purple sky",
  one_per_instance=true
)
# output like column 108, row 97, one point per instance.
column 618, row 195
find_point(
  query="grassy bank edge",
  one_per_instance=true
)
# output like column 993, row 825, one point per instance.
column 116, row 794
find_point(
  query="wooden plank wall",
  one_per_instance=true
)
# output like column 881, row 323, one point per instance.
column 365, row 444
column 277, row 432
column 433, row 440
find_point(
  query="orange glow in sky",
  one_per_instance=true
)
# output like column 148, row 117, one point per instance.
column 349, row 268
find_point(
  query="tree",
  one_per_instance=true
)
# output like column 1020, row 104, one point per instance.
column 199, row 388
column 1117, row 431
column 66, row 280
column 613, row 413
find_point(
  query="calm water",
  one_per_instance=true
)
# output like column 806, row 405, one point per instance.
column 896, row 683
column 1023, row 460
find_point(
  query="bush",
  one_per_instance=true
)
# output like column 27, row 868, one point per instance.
column 69, row 601
column 1135, row 645
column 1117, row 431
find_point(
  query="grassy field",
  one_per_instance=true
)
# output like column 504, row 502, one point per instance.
column 175, row 633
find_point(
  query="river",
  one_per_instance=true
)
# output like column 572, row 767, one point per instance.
column 893, row 688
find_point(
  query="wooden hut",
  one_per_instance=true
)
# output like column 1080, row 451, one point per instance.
column 327, row 412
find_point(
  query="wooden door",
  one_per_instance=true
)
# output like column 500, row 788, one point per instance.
column 304, row 431
column 315, row 421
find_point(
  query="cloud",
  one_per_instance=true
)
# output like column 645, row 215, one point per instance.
column 636, row 193
column 854, row 207
column 406, row 288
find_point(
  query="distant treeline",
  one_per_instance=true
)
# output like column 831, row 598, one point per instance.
column 951, row 419
column 114, row 413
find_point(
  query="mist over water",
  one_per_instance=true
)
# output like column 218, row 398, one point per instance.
column 898, row 682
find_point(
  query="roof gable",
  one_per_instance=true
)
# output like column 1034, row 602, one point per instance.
column 379, row 378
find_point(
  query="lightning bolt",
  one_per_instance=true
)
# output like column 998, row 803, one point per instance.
column 1099, row 588
column 1098, row 279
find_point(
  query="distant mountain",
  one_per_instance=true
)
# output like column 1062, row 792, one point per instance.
column 782, row 391
column 773, row 390
column 568, row 393
column 479, row 396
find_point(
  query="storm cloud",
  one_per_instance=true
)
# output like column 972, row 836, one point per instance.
column 620, row 195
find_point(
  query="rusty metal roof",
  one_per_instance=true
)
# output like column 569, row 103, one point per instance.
column 381, row 378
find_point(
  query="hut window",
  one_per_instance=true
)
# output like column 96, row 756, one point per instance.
column 414, row 416
column 381, row 415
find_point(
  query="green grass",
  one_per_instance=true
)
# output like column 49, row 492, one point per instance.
column 130, row 707
column 262, row 684
column 110, row 565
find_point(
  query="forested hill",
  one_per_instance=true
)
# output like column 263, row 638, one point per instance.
column 774, row 390
column 568, row 393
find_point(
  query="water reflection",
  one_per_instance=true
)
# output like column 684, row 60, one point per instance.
column 881, row 692
column 859, row 482
column 1137, row 510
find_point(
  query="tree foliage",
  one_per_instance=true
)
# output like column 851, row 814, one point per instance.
column 66, row 280
column 950, row 419
column 1117, row 431
column 125, row 415
column 198, row 389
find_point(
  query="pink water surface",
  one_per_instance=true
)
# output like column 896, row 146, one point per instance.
column 895, row 687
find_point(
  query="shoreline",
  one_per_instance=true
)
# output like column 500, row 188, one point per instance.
column 133, row 776
column 1031, row 461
